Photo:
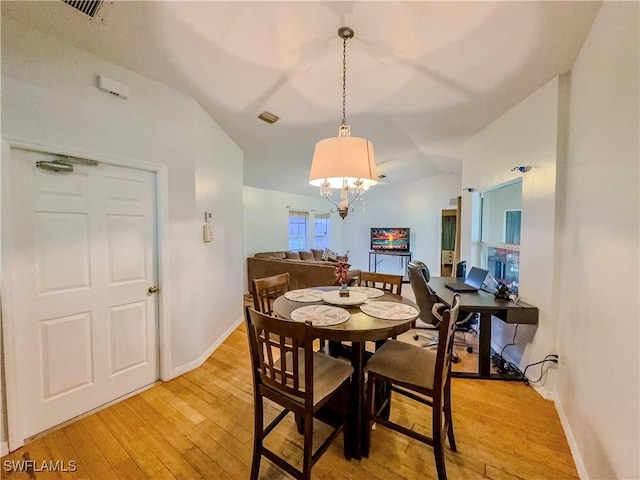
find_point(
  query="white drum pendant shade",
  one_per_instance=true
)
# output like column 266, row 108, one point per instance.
column 337, row 158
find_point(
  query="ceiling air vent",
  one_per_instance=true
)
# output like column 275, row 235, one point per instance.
column 268, row 117
column 88, row 7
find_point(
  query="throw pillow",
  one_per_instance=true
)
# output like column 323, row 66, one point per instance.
column 329, row 255
column 304, row 255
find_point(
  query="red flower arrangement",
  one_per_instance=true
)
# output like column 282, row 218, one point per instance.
column 341, row 270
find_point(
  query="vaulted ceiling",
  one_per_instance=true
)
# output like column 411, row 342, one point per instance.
column 422, row 77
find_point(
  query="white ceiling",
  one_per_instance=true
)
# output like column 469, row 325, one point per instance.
column 422, row 77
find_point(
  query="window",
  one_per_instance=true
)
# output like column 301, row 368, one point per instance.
column 512, row 220
column 500, row 235
column 298, row 230
column 321, row 224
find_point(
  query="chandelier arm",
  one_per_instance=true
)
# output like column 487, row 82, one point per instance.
column 335, row 204
column 349, row 202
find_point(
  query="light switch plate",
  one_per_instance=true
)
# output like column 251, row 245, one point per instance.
column 207, row 233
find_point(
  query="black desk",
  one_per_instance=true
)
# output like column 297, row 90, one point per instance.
column 405, row 258
column 486, row 305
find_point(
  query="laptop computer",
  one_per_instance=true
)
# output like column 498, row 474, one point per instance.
column 472, row 283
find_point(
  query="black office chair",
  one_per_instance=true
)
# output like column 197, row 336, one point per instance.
column 431, row 310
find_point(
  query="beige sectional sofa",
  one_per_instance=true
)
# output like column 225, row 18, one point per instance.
column 306, row 268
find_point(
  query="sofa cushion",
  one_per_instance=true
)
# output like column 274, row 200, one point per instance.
column 317, row 254
column 305, row 255
column 271, row 255
column 292, row 255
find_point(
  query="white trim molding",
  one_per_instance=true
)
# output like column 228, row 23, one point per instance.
column 571, row 440
column 187, row 367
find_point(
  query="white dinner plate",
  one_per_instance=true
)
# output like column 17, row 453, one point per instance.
column 389, row 310
column 320, row 315
column 354, row 298
column 304, row 295
column 371, row 292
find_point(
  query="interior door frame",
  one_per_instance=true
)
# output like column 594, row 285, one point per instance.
column 7, row 264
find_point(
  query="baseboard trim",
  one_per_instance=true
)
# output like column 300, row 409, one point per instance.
column 545, row 393
column 573, row 446
column 187, row 367
column 4, row 449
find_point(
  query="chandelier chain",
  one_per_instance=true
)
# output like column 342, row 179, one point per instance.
column 344, row 81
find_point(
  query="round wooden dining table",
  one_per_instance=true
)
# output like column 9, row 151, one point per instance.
column 358, row 329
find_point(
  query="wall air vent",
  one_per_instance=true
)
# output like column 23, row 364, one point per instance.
column 268, row 117
column 88, row 7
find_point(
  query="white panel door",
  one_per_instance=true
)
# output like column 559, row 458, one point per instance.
column 83, row 258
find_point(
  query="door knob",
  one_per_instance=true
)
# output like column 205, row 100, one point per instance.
column 152, row 289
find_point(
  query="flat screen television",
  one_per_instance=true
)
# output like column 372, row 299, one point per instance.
column 390, row 239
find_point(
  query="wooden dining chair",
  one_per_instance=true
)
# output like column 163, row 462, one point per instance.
column 289, row 373
column 423, row 375
column 384, row 281
column 266, row 290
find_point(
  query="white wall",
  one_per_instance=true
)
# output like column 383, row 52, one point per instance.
column 266, row 217
column 598, row 256
column 417, row 205
column 218, row 189
column 579, row 257
column 49, row 97
column 524, row 136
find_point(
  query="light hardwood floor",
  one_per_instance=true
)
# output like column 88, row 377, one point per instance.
column 199, row 425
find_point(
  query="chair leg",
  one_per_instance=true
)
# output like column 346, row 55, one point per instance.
column 383, row 397
column 439, row 454
column 448, row 417
column 308, row 448
column 258, row 431
column 371, row 390
column 299, row 423
column 438, row 451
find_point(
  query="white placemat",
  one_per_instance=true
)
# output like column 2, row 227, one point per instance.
column 369, row 291
column 320, row 315
column 304, row 295
column 354, row 298
column 389, row 310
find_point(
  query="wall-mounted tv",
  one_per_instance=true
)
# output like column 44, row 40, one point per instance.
column 390, row 239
